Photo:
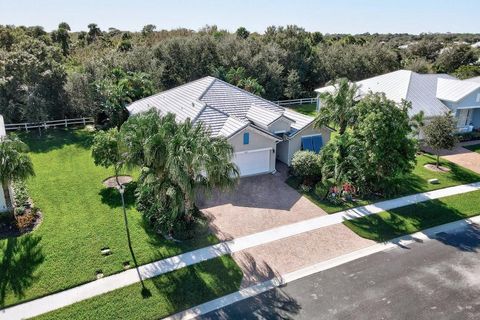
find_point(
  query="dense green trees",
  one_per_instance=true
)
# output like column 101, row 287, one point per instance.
column 373, row 144
column 53, row 75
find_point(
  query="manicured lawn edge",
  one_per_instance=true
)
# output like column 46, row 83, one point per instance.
column 170, row 293
column 473, row 147
column 413, row 218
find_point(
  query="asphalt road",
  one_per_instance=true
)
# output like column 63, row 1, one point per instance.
column 436, row 279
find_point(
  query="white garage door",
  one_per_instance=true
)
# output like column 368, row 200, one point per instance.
column 253, row 161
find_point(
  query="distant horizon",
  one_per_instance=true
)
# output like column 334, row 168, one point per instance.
column 234, row 29
column 340, row 17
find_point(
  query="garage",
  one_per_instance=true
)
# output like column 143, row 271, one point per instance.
column 253, row 162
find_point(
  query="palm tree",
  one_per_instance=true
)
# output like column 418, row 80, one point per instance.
column 417, row 122
column 15, row 164
column 338, row 107
column 196, row 161
column 177, row 160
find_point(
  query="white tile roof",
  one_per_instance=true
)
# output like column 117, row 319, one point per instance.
column 455, row 90
column 262, row 116
column 224, row 108
column 474, row 79
column 419, row 89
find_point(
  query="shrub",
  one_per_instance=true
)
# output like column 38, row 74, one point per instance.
column 306, row 164
column 21, row 196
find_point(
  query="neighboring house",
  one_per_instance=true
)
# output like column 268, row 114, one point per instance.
column 434, row 94
column 260, row 131
column 3, row 134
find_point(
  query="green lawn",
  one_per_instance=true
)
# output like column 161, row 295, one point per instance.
column 473, row 147
column 80, row 218
column 415, row 182
column 413, row 218
column 309, row 109
column 172, row 292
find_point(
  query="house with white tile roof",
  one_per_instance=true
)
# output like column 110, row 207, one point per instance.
column 259, row 130
column 434, row 94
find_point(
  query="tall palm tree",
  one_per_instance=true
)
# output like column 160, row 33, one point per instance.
column 338, row 107
column 196, row 161
column 14, row 164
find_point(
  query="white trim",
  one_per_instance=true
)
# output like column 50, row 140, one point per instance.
column 253, row 150
column 468, row 107
column 312, row 135
column 256, row 130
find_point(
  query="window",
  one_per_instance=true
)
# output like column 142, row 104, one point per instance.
column 478, row 97
column 246, row 138
column 313, row 143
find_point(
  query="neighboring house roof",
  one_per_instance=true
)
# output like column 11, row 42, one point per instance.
column 474, row 79
column 419, row 89
column 476, row 45
column 454, row 90
column 223, row 107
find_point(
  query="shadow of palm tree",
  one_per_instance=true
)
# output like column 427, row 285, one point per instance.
column 110, row 196
column 20, row 258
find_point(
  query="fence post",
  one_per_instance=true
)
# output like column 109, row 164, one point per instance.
column 66, row 124
column 84, row 121
column 26, row 127
column 45, row 125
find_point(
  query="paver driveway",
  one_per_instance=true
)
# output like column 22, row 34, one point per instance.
column 461, row 156
column 263, row 202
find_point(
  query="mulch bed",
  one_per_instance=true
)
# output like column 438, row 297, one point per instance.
column 112, row 182
column 433, row 167
column 9, row 229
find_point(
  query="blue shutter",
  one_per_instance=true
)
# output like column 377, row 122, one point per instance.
column 307, row 143
column 312, row 143
column 246, row 138
column 317, row 143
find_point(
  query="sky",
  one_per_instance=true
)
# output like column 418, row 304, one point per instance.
column 334, row 16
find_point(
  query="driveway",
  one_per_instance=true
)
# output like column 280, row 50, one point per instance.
column 256, row 204
column 264, row 202
column 461, row 156
column 436, row 279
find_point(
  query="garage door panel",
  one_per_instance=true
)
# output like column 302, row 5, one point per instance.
column 253, row 161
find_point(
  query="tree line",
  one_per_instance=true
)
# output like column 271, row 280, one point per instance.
column 57, row 74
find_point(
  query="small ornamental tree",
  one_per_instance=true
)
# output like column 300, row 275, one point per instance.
column 306, row 164
column 106, row 150
column 440, row 134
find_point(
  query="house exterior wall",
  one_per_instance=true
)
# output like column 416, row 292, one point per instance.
column 257, row 140
column 295, row 143
column 282, row 151
column 469, row 101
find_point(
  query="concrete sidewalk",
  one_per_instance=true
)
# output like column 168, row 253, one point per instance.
column 107, row 284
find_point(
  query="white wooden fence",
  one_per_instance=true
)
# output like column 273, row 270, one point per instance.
column 49, row 124
column 296, row 101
